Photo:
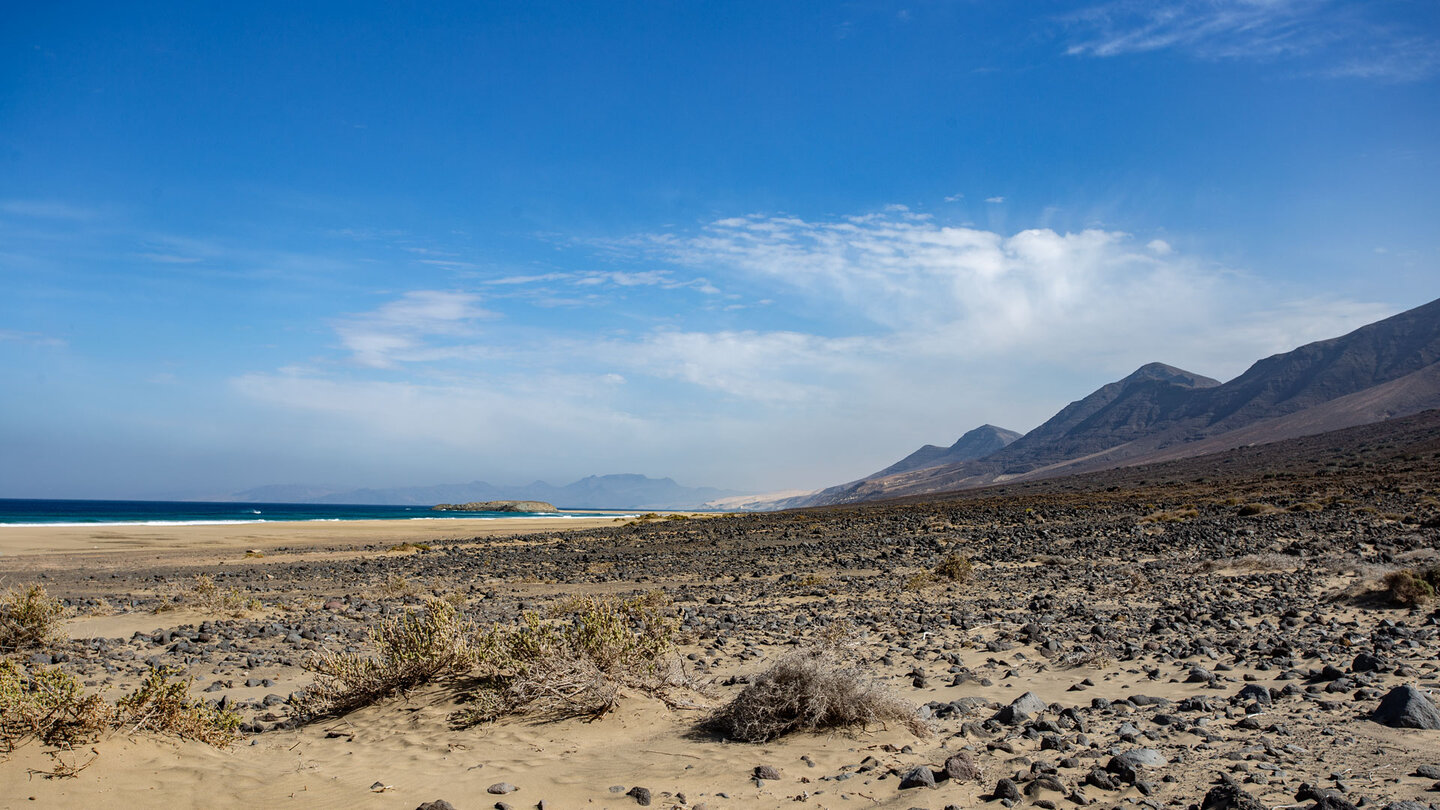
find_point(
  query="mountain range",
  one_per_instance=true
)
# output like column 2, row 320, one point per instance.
column 1381, row 371
column 620, row 491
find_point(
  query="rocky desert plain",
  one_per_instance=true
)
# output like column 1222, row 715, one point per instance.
column 1219, row 631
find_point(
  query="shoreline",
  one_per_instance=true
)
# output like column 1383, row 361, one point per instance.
column 42, row 539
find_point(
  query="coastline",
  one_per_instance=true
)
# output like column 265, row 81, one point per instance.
column 31, row 539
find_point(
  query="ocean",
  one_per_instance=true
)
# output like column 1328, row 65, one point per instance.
column 21, row 512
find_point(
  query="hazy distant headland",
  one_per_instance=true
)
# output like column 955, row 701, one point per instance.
column 620, row 491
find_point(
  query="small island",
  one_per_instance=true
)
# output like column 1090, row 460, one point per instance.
column 496, row 506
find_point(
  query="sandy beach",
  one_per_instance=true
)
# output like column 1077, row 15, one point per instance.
column 28, row 540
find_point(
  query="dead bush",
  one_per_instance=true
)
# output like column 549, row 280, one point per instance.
column 408, row 651
column 809, row 690
column 29, row 617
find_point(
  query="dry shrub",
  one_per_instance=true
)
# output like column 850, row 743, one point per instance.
column 51, row 706
column 48, row 705
column 164, row 706
column 29, row 617
column 809, row 690
column 407, row 547
column 1411, row 587
column 410, row 650
column 575, row 663
column 955, row 567
column 1253, row 509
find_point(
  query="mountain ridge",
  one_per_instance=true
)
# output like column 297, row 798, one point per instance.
column 1382, row 370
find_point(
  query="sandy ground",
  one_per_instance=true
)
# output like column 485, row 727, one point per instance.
column 17, row 540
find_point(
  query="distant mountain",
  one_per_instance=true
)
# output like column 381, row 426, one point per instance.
column 621, row 491
column 1381, row 371
column 978, row 443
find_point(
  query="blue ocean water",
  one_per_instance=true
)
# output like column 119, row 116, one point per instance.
column 19, row 512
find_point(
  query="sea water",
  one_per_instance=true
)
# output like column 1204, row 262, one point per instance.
column 21, row 512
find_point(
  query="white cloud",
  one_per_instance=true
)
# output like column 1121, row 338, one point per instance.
column 1159, row 247
column 1344, row 39
column 994, row 199
column 955, row 198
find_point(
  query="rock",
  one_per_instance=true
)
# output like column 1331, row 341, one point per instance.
column 767, row 772
column 961, row 767
column 1428, row 771
column 438, row 804
column 641, row 795
column 501, row 788
column 1029, row 703
column 1407, row 707
column 1256, row 693
column 1007, row 789
column 1230, row 797
column 1332, row 801
column 920, row 776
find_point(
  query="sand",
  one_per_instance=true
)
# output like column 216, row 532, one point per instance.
column 26, row 540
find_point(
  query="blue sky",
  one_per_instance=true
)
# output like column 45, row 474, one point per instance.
column 748, row 245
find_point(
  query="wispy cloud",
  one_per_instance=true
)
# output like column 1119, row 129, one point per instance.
column 1317, row 37
column 406, row 330
column 31, row 339
column 46, row 209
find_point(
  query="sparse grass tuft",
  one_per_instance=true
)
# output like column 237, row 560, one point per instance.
column 809, row 690
column 29, row 618
column 407, row 547
column 918, row 581
column 1171, row 515
column 207, row 596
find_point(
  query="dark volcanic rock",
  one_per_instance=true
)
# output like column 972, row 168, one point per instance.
column 1230, row 797
column 1407, row 707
